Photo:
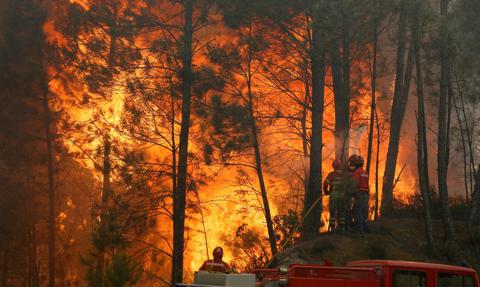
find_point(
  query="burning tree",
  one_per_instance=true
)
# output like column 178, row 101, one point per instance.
column 192, row 123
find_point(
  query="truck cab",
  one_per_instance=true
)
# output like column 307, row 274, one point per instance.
column 393, row 273
column 371, row 273
column 365, row 273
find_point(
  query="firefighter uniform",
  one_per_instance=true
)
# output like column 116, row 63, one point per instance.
column 213, row 266
column 217, row 264
column 350, row 187
column 335, row 186
column 361, row 196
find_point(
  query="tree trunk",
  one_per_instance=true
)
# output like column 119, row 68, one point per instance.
column 258, row 165
column 396, row 120
column 312, row 201
column 467, row 144
column 400, row 99
column 305, row 111
column 5, row 266
column 469, row 133
column 475, row 202
column 174, row 144
column 341, row 83
column 106, row 192
column 346, row 80
column 422, row 147
column 50, row 170
column 341, row 102
column 373, row 103
column 442, row 129
column 305, row 147
column 258, row 161
column 179, row 198
column 308, row 97
column 377, row 166
column 35, row 276
column 464, row 150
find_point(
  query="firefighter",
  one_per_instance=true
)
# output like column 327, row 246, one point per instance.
column 217, row 264
column 333, row 186
column 361, row 192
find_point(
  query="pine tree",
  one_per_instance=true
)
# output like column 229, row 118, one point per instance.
column 403, row 76
column 239, row 62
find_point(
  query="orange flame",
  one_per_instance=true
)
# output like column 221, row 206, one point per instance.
column 222, row 208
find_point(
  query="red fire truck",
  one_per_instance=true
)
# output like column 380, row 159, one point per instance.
column 370, row 273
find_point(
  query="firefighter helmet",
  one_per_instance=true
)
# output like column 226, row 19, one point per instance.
column 352, row 160
column 360, row 161
column 218, row 252
column 352, row 165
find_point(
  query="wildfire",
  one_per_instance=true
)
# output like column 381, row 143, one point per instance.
column 84, row 3
column 224, row 205
column 53, row 36
column 223, row 213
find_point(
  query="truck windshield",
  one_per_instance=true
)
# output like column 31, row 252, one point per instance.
column 407, row 278
column 454, row 280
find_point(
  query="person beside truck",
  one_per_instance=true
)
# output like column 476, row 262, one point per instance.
column 217, row 264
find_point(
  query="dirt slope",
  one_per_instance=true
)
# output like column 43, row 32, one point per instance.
column 402, row 239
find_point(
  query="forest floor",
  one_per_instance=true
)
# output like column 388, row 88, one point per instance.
column 395, row 239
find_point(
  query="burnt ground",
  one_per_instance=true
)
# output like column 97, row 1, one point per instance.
column 396, row 239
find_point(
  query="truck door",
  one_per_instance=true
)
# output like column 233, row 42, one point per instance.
column 409, row 278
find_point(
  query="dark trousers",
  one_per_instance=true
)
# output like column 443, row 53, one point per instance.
column 360, row 211
column 338, row 209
